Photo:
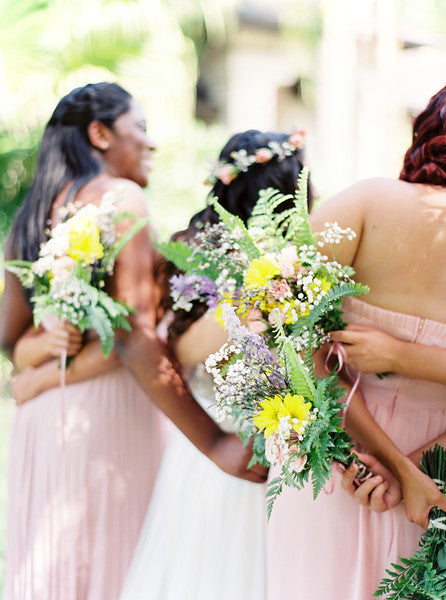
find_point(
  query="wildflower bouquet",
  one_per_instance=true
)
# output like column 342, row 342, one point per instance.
column 276, row 399
column 69, row 274
column 271, row 269
column 423, row 575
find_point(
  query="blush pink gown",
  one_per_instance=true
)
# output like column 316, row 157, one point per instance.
column 74, row 513
column 332, row 548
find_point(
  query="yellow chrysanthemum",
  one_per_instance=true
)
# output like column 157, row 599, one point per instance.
column 292, row 407
column 85, row 244
column 269, row 417
column 260, row 271
column 298, row 409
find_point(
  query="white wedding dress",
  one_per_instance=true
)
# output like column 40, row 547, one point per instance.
column 203, row 535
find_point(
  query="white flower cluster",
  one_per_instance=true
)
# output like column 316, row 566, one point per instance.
column 231, row 384
column 59, row 242
column 69, row 297
column 334, row 234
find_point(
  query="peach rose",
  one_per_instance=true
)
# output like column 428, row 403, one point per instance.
column 255, row 321
column 279, row 289
column 63, row 267
column 297, row 138
column 226, row 174
column 263, row 155
column 296, row 463
column 275, row 453
column 287, row 259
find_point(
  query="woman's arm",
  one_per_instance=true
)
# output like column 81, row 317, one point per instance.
column 202, row 338
column 15, row 314
column 381, row 491
column 36, row 346
column 89, row 362
column 419, row 491
column 150, row 361
column 373, row 351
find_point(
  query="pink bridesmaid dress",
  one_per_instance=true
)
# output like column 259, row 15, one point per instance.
column 77, row 500
column 333, row 548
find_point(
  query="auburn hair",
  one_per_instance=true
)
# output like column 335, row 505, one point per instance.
column 425, row 160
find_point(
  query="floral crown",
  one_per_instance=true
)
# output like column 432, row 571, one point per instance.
column 228, row 171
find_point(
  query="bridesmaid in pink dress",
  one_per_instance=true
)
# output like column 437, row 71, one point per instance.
column 74, row 512
column 333, row 548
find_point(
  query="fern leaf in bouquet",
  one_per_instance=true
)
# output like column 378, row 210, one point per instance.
column 423, row 575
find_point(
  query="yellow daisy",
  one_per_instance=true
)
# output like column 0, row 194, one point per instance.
column 292, row 407
column 260, row 271
column 269, row 417
column 298, row 409
column 84, row 236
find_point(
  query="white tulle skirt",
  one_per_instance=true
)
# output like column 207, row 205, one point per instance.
column 203, row 535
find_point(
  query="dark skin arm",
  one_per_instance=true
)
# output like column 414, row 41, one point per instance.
column 418, row 490
column 89, row 362
column 15, row 314
column 155, row 368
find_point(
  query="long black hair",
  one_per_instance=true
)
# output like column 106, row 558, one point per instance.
column 65, row 155
column 238, row 197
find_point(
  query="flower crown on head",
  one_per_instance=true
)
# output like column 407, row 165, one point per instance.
column 228, row 171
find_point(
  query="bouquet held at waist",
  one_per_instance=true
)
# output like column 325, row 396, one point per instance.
column 69, row 275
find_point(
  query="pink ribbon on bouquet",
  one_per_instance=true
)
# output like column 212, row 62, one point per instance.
column 48, row 323
column 338, row 349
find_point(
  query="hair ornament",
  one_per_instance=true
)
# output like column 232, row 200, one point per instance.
column 228, row 171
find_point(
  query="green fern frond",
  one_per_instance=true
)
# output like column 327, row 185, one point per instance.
column 127, row 236
column 99, row 321
column 299, row 231
column 301, row 376
column 301, row 381
column 275, row 488
column 333, row 298
column 326, row 305
column 179, row 253
column 264, row 217
column 183, row 256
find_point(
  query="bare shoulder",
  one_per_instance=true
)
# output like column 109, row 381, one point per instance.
column 366, row 189
column 204, row 337
column 130, row 195
column 355, row 201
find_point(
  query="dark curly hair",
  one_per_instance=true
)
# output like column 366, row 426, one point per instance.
column 238, row 197
column 425, row 160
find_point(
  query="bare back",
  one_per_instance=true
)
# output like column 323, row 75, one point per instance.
column 400, row 249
